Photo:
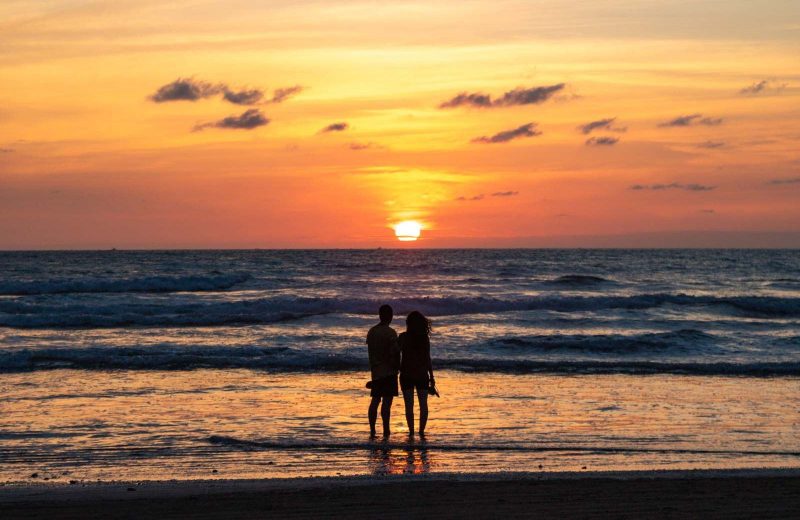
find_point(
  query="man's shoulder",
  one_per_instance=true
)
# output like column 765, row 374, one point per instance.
column 382, row 328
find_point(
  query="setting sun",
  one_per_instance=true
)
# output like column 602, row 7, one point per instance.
column 408, row 230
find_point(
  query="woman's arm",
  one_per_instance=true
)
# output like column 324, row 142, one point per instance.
column 430, row 363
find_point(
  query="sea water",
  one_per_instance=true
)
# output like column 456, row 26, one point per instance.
column 205, row 364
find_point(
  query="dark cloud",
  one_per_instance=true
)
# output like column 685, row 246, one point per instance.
column 760, row 87
column 190, row 89
column 707, row 211
column 6, row 150
column 673, row 186
column 528, row 96
column 363, row 146
column 692, row 120
column 601, row 124
column 243, row 97
column 528, row 130
column 186, row 89
column 474, row 100
column 711, row 144
column 249, row 119
column 474, row 198
column 335, row 127
column 602, row 141
column 518, row 96
column 777, row 182
column 483, row 195
column 755, row 88
column 282, row 94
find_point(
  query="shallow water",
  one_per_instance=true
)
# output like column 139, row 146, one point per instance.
column 142, row 425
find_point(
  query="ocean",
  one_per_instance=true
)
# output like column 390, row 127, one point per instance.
column 249, row 364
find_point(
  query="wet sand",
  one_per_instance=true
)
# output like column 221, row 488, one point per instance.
column 707, row 494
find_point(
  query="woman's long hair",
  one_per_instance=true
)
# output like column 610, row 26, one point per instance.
column 417, row 324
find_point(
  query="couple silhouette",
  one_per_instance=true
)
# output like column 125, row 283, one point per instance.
column 410, row 355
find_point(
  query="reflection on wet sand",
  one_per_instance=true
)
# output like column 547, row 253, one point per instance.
column 391, row 459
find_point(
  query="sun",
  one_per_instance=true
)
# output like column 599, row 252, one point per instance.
column 407, row 230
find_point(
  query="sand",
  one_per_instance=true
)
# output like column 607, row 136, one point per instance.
column 707, row 494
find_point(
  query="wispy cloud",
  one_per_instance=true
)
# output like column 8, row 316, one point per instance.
column 601, row 124
column 6, row 150
column 602, row 141
column 282, row 94
column 363, row 146
column 777, row 182
column 517, row 96
column 707, row 211
column 335, row 127
column 471, row 199
column 186, row 89
column 692, row 120
column 673, row 186
column 482, row 196
column 247, row 120
column 190, row 89
column 761, row 87
column 527, row 130
column 243, row 97
column 711, row 144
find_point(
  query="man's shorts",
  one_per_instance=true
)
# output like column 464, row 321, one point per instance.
column 384, row 387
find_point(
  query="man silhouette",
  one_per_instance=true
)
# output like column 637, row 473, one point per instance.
column 384, row 363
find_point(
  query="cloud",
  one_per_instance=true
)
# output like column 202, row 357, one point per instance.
column 672, row 186
column 6, row 150
column 282, row 94
column 249, row 119
column 190, row 89
column 761, row 87
column 515, row 97
column 243, row 97
column 483, row 196
column 601, row 124
column 475, row 100
column 335, row 127
column 692, row 120
column 363, row 146
column 474, row 198
column 711, row 144
column 186, row 89
column 602, row 141
column 777, row 182
column 707, row 211
column 527, row 130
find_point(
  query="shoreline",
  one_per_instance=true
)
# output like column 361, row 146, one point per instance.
column 672, row 493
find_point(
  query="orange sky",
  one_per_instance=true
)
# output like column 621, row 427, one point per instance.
column 89, row 160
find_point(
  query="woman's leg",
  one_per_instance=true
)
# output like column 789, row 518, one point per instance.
column 386, row 414
column 408, row 398
column 422, row 395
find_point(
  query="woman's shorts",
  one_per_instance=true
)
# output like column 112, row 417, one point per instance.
column 384, row 387
column 408, row 384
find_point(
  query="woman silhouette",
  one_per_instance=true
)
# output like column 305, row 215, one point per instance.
column 416, row 371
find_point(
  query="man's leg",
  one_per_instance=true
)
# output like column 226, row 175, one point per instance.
column 422, row 395
column 386, row 414
column 408, row 398
column 373, row 414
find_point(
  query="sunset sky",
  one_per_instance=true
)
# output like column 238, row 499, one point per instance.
column 182, row 124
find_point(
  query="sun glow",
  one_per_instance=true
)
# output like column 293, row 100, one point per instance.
column 408, row 230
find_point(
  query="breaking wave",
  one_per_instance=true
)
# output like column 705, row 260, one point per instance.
column 145, row 284
column 23, row 313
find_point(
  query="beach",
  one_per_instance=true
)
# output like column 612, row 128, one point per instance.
column 731, row 494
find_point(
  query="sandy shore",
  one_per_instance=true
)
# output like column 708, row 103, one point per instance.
column 707, row 494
